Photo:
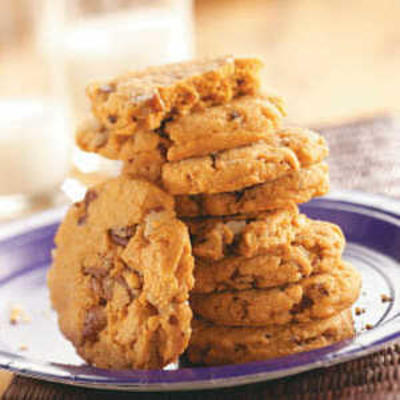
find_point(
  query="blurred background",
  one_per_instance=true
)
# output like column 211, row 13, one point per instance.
column 332, row 60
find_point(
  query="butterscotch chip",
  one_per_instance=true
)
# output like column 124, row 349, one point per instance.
column 242, row 121
column 212, row 344
column 121, row 274
column 143, row 99
column 310, row 247
column 234, row 169
column 296, row 187
column 316, row 297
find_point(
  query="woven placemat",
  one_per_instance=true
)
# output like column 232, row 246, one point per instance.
column 373, row 377
column 365, row 155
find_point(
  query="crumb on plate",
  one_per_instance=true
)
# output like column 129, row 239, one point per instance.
column 18, row 315
column 386, row 299
column 360, row 310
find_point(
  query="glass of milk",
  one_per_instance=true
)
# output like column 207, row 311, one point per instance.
column 102, row 38
column 35, row 140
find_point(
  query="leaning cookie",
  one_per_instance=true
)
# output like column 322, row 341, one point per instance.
column 296, row 187
column 316, row 297
column 121, row 275
column 217, row 345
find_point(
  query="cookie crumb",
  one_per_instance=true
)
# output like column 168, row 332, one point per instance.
column 359, row 310
column 369, row 326
column 386, row 299
column 23, row 347
column 18, row 315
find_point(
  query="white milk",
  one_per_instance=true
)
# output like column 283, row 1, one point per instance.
column 34, row 146
column 110, row 43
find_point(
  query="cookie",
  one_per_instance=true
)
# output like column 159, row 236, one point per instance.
column 315, row 247
column 217, row 345
column 296, row 187
column 229, row 170
column 316, row 297
column 238, row 168
column 242, row 121
column 143, row 99
column 120, row 277
column 215, row 238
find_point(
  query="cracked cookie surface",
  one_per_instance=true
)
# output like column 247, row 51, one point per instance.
column 143, row 99
column 263, row 257
column 316, row 297
column 212, row 344
column 242, row 121
column 121, row 274
column 296, row 187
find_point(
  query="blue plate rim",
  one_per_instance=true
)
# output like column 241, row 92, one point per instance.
column 206, row 377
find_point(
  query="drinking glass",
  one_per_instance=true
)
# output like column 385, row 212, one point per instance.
column 34, row 139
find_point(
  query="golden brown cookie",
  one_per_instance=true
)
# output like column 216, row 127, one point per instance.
column 313, row 247
column 214, row 238
column 242, row 121
column 234, row 169
column 250, row 235
column 143, row 99
column 316, row 297
column 296, row 187
column 121, row 275
column 229, row 170
column 217, row 345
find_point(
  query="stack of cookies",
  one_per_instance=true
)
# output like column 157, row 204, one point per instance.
column 268, row 281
